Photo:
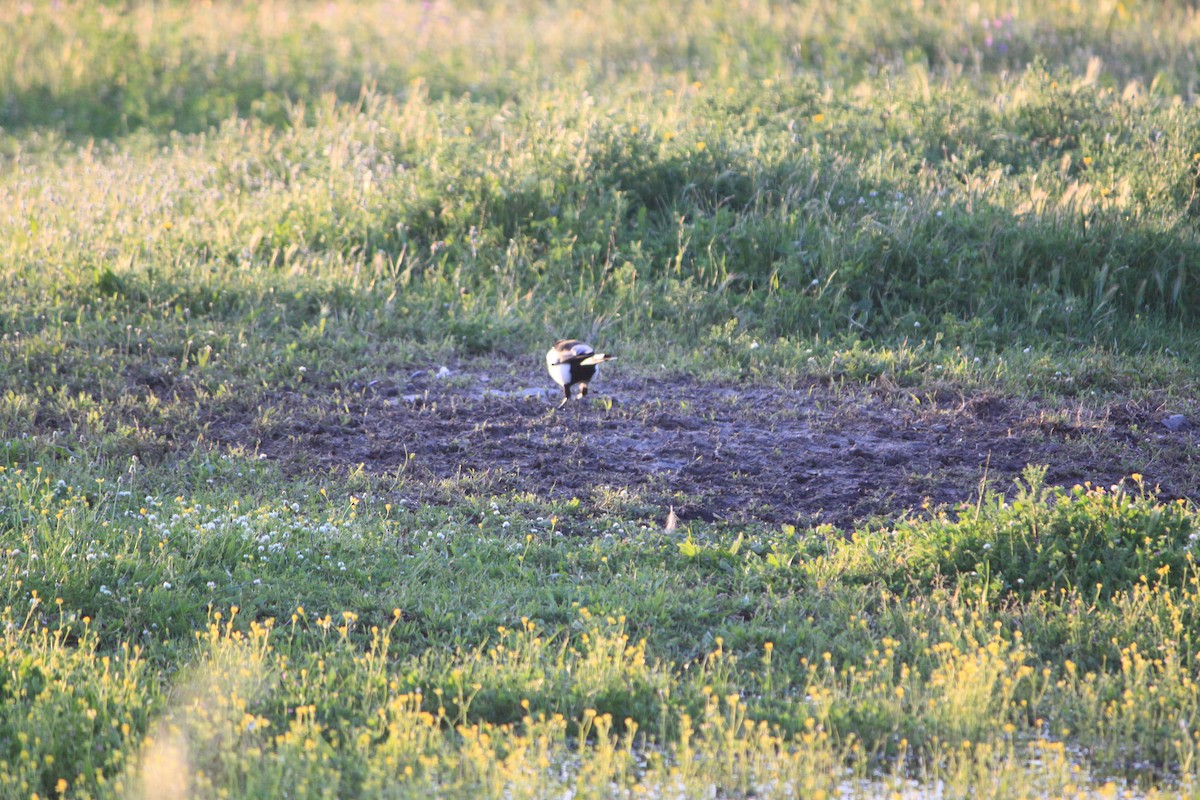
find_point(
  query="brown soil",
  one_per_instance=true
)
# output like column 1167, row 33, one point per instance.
column 804, row 455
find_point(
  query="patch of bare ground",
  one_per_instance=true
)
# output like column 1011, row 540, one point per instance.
column 808, row 454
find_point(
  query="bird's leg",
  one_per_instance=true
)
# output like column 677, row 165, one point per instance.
column 582, row 390
column 566, row 396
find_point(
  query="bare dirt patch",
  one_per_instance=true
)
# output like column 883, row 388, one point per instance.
column 807, row 454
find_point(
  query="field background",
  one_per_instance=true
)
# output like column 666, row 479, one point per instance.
column 276, row 276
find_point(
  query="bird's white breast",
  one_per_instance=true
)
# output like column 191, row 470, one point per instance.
column 561, row 373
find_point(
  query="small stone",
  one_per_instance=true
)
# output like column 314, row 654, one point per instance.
column 1176, row 422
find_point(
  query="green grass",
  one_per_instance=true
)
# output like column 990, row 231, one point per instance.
column 211, row 210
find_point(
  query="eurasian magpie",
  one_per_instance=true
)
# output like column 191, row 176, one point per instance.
column 571, row 362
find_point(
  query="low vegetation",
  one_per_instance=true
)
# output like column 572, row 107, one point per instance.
column 217, row 214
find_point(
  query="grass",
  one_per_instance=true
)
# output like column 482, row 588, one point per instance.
column 307, row 650
column 214, row 210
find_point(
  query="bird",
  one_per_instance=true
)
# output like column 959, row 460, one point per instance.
column 573, row 363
